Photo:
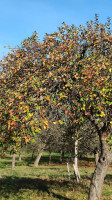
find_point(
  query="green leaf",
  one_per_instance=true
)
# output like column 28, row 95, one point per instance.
column 61, row 122
column 81, row 99
column 68, row 84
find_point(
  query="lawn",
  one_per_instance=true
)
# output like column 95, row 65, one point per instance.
column 47, row 182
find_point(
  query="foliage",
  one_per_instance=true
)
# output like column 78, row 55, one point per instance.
column 68, row 74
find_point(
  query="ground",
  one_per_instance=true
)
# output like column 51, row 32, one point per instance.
column 48, row 182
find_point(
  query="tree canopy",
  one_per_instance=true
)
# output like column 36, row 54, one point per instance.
column 70, row 72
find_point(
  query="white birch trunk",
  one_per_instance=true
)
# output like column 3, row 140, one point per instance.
column 68, row 169
column 75, row 165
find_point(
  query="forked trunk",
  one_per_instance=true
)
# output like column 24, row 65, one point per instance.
column 100, row 172
column 13, row 161
column 98, row 178
column 38, row 158
column 96, row 155
column 96, row 158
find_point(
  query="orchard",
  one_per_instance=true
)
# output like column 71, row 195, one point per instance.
column 67, row 76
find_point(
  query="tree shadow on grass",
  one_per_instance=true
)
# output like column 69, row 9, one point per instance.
column 44, row 159
column 109, row 177
column 87, row 159
column 12, row 185
column 86, row 177
column 5, row 163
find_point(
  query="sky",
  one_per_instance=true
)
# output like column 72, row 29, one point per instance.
column 20, row 18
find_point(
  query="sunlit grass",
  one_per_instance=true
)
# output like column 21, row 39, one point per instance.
column 47, row 181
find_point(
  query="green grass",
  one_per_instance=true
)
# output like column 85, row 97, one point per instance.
column 47, row 182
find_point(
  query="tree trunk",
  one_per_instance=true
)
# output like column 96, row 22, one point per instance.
column 75, row 165
column 98, row 179
column 19, row 156
column 2, row 154
column 13, row 161
column 68, row 169
column 100, row 172
column 38, row 158
column 96, row 158
column 33, row 154
column 62, row 156
column 96, row 155
column 49, row 157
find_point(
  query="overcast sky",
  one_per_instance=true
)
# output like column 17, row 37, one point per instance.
column 19, row 18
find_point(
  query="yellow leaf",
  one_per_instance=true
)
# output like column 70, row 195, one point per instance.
column 102, row 114
column 43, row 63
column 83, row 107
column 45, row 122
column 55, row 122
column 30, row 114
column 45, row 127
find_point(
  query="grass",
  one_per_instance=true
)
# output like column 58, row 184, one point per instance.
column 47, row 182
